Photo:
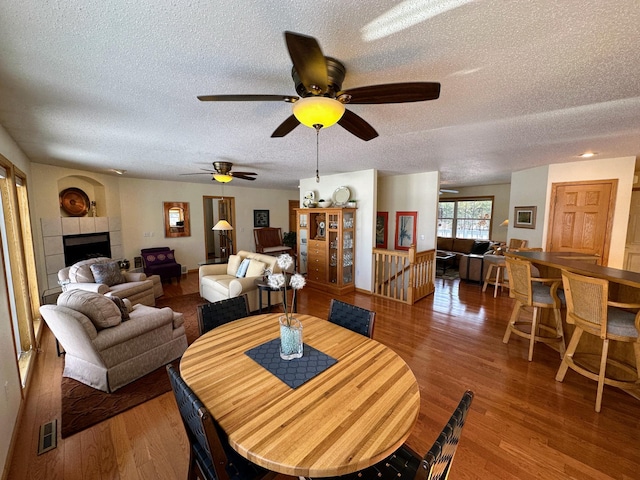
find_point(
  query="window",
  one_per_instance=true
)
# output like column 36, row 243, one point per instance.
column 465, row 218
column 16, row 247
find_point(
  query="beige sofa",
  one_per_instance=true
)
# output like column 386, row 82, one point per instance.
column 104, row 350
column 218, row 282
column 136, row 287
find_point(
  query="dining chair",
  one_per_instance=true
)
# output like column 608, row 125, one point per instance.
column 435, row 465
column 354, row 318
column 537, row 293
column 516, row 243
column 212, row 315
column 210, row 455
column 591, row 311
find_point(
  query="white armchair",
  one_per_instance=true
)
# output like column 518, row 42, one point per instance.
column 218, row 282
column 136, row 287
column 106, row 351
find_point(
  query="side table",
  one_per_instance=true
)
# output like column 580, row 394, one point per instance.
column 478, row 258
column 263, row 286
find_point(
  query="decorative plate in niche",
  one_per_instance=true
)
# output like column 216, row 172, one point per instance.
column 74, row 201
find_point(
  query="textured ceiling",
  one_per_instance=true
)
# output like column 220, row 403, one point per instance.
column 98, row 85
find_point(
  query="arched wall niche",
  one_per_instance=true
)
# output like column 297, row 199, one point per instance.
column 93, row 188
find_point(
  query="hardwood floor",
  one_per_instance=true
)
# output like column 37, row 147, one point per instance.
column 522, row 425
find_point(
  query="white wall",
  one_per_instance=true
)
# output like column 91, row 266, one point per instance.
column 528, row 189
column 417, row 192
column 501, row 194
column 621, row 169
column 10, row 401
column 139, row 204
column 363, row 186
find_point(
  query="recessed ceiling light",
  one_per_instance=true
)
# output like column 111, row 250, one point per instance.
column 587, row 154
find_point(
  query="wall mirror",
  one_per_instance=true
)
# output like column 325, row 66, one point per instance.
column 176, row 219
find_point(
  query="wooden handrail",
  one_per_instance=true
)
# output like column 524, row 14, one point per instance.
column 404, row 276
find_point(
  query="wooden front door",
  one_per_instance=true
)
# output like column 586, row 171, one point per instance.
column 632, row 247
column 581, row 218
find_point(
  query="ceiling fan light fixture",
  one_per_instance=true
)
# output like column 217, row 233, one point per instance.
column 222, row 178
column 311, row 111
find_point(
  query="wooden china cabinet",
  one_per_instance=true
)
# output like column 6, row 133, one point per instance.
column 326, row 247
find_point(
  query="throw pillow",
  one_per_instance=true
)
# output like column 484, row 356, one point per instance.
column 233, row 264
column 158, row 258
column 80, row 272
column 102, row 312
column 480, row 248
column 256, row 268
column 107, row 273
column 124, row 311
column 242, row 269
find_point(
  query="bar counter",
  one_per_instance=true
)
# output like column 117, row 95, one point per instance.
column 624, row 285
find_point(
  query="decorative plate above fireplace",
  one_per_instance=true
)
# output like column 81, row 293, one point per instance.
column 74, row 201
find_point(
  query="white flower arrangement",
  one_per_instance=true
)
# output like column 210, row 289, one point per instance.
column 278, row 280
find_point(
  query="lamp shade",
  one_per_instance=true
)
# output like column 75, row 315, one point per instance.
column 222, row 225
column 505, row 223
column 311, row 111
column 222, row 178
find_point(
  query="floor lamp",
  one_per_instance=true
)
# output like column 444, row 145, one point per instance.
column 224, row 226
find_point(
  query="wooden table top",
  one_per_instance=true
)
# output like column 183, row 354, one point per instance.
column 348, row 417
column 572, row 262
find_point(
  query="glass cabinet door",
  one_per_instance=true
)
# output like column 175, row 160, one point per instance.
column 302, row 242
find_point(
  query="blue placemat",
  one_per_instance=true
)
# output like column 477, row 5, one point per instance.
column 292, row 372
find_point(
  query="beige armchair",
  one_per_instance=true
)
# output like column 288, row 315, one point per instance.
column 104, row 349
column 218, row 282
column 100, row 276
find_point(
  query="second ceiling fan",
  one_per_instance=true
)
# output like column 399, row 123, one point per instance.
column 222, row 173
column 318, row 82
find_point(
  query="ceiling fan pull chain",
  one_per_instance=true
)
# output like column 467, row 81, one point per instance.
column 318, row 127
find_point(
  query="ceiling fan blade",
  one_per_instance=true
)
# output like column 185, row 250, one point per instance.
column 357, row 125
column 394, row 93
column 199, row 173
column 285, row 127
column 308, row 60
column 243, row 177
column 235, row 174
column 247, row 98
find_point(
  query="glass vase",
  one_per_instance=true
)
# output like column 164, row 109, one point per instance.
column 290, row 338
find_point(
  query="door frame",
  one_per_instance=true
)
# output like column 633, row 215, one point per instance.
column 232, row 221
column 613, row 182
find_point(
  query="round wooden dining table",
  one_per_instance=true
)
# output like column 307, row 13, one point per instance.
column 348, row 417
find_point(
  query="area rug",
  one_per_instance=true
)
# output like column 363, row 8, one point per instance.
column 83, row 406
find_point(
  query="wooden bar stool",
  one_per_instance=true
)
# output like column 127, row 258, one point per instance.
column 497, row 263
column 589, row 309
column 537, row 293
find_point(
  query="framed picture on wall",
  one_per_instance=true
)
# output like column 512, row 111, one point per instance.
column 382, row 221
column 260, row 218
column 524, row 217
column 405, row 229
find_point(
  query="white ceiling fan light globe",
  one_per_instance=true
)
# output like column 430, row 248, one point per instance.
column 311, row 111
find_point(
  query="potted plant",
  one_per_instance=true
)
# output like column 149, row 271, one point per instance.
column 289, row 239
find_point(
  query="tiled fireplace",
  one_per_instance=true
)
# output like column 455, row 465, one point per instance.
column 54, row 230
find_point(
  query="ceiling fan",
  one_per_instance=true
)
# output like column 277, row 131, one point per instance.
column 318, row 82
column 222, row 173
column 444, row 190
